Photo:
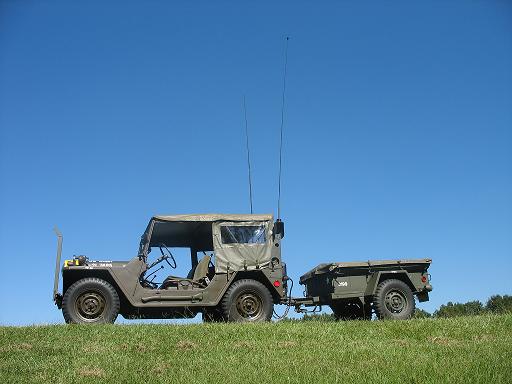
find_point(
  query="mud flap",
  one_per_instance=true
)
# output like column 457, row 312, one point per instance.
column 422, row 296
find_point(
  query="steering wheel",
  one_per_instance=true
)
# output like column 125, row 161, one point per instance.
column 167, row 257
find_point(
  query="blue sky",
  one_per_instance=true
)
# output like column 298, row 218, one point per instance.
column 397, row 141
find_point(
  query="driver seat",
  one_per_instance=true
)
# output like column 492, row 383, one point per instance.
column 199, row 278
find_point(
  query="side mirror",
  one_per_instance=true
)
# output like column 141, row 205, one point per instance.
column 279, row 228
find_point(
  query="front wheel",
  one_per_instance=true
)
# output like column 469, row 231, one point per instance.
column 90, row 300
column 393, row 300
column 247, row 301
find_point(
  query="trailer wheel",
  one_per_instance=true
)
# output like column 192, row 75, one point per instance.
column 247, row 301
column 393, row 300
column 90, row 300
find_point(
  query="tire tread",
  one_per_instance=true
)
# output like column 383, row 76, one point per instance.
column 227, row 299
column 380, row 305
column 66, row 306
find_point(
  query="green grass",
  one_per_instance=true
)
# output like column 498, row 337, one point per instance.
column 465, row 349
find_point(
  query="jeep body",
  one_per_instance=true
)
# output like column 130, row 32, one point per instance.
column 239, row 247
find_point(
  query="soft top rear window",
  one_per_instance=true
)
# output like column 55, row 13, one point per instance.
column 243, row 234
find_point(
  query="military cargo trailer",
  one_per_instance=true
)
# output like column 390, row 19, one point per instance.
column 354, row 290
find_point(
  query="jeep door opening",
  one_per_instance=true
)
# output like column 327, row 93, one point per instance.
column 237, row 274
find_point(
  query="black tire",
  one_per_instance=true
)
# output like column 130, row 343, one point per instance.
column 351, row 310
column 90, row 301
column 247, row 301
column 393, row 300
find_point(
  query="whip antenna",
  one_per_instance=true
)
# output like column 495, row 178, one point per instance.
column 281, row 130
column 248, row 154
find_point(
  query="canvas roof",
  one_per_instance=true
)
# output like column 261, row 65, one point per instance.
column 211, row 217
column 195, row 230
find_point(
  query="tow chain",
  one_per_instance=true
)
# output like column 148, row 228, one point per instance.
column 285, row 313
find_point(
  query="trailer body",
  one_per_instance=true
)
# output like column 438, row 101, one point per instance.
column 355, row 284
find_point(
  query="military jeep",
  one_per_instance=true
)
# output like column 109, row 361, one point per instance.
column 236, row 273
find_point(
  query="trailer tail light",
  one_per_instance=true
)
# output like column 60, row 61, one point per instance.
column 423, row 279
column 277, row 283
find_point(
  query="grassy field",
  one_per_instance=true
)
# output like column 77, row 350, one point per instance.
column 465, row 349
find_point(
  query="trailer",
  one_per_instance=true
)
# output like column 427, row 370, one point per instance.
column 354, row 290
column 236, row 274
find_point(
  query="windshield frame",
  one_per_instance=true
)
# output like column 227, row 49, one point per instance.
column 145, row 239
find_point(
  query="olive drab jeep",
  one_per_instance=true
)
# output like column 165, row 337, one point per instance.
column 236, row 273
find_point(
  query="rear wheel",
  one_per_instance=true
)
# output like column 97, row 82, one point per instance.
column 247, row 301
column 394, row 300
column 90, row 300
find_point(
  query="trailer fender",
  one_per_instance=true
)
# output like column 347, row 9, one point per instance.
column 378, row 277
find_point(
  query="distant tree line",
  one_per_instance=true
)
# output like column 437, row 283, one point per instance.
column 496, row 304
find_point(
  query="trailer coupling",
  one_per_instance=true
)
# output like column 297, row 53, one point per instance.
column 301, row 302
column 57, row 297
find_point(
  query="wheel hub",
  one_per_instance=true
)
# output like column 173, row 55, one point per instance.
column 248, row 305
column 395, row 301
column 90, row 305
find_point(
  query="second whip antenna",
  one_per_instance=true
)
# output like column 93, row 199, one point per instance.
column 248, row 154
column 281, row 130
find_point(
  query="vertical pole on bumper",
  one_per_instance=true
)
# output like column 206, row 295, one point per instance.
column 57, row 264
